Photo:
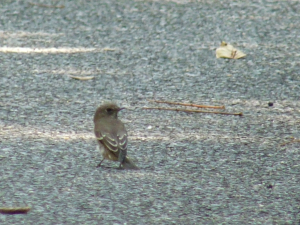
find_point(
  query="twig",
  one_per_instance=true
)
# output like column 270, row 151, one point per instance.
column 196, row 111
column 189, row 104
column 47, row 6
column 82, row 78
column 109, row 49
column 294, row 140
column 15, row 210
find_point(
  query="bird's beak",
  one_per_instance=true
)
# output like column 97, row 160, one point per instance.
column 121, row 109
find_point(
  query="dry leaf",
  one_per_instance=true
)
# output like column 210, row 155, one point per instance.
column 82, row 78
column 15, row 210
column 229, row 52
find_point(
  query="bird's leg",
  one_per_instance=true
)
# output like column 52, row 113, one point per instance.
column 120, row 167
column 100, row 163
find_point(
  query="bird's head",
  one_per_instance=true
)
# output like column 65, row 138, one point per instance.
column 107, row 110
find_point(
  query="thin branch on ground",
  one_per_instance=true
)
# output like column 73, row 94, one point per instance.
column 294, row 140
column 195, row 111
column 47, row 6
column 188, row 104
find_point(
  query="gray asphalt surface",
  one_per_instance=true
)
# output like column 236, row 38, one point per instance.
column 195, row 168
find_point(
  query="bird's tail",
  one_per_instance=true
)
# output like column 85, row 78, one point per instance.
column 128, row 164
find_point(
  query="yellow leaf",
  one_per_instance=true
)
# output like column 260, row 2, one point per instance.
column 229, row 52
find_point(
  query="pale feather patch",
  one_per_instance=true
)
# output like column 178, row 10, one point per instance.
column 122, row 141
column 111, row 141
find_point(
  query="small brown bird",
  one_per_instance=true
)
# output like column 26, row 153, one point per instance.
column 112, row 135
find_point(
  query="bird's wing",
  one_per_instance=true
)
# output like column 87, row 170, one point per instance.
column 122, row 140
column 110, row 142
column 113, row 142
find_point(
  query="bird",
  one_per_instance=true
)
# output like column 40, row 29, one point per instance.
column 111, row 135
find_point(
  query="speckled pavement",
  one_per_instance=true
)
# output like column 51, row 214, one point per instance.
column 195, row 168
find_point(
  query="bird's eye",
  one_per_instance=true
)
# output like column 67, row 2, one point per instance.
column 109, row 110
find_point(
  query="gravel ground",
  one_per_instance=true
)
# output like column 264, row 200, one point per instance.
column 195, row 168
